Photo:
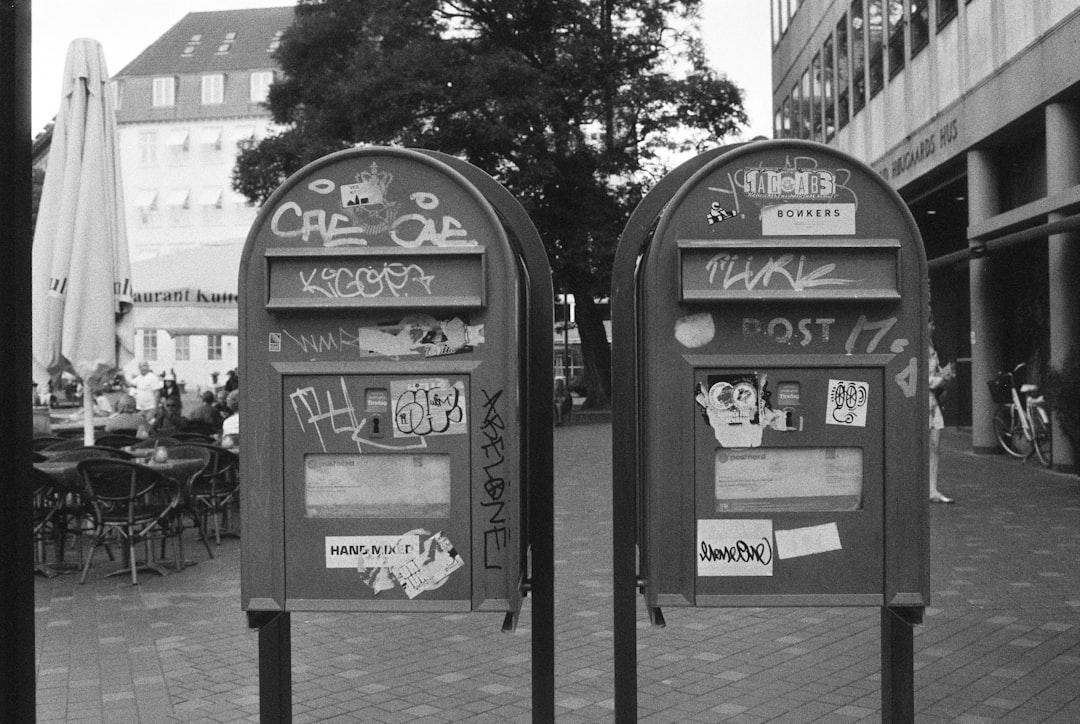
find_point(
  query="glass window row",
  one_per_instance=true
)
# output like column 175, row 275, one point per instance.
column 851, row 63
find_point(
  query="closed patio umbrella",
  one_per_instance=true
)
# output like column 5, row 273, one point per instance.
column 81, row 285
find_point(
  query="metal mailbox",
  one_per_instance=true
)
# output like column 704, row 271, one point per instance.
column 385, row 369
column 770, row 314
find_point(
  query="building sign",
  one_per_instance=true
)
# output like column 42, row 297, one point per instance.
column 923, row 150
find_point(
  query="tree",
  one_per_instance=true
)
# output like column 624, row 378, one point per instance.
column 570, row 104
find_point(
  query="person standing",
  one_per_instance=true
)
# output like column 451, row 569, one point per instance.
column 939, row 379
column 146, row 389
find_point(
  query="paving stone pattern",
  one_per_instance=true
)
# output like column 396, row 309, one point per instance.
column 1001, row 641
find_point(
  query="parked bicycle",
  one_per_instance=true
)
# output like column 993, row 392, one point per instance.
column 1021, row 421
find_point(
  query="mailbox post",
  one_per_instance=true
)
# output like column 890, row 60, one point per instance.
column 395, row 354
column 770, row 398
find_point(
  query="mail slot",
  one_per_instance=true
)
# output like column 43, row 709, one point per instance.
column 387, row 366
column 770, row 397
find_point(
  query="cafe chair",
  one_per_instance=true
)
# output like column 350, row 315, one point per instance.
column 43, row 441
column 217, row 488
column 187, row 507
column 133, row 504
column 88, row 452
column 112, row 439
column 46, row 517
column 64, row 443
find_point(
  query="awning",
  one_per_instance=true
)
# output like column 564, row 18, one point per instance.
column 178, row 197
column 177, row 138
column 211, row 197
column 145, row 199
column 179, row 319
column 210, row 137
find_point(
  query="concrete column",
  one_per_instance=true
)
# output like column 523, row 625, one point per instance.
column 986, row 352
column 1063, row 250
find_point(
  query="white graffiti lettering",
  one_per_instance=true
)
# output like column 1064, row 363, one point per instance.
column 451, row 233
column 314, row 222
column 367, row 282
column 750, row 275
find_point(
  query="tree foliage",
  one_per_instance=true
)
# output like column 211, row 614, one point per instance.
column 570, row 104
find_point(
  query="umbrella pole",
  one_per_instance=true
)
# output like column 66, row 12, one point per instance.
column 88, row 415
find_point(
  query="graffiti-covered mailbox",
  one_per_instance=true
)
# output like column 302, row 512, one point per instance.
column 775, row 302
column 385, row 371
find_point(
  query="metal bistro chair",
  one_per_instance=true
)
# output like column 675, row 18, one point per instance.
column 133, row 504
column 217, row 488
column 112, row 439
column 46, row 518
column 188, row 507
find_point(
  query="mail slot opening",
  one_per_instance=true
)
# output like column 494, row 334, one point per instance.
column 783, row 479
column 374, row 485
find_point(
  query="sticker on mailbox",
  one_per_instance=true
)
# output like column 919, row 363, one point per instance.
column 433, row 406
column 847, row 403
column 735, row 547
column 361, row 552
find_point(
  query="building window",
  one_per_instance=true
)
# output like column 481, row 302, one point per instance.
column 782, row 11
column 843, row 72
column 806, row 106
column 182, row 347
column 785, row 129
column 896, row 37
column 858, row 57
column 946, row 11
column 817, row 100
column 213, row 347
column 177, row 145
column 260, row 85
column 275, row 43
column 146, row 205
column 148, row 148
column 178, row 203
column 920, row 25
column 149, row 345
column 164, row 92
column 796, row 112
column 828, row 91
column 876, row 22
column 211, row 202
column 213, row 89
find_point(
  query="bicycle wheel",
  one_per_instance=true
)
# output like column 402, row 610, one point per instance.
column 1041, row 438
column 1009, row 433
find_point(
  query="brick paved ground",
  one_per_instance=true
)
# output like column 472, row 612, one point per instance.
column 1001, row 641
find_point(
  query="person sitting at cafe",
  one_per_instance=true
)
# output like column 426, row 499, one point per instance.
column 231, row 425
column 126, row 419
column 205, row 413
column 168, row 419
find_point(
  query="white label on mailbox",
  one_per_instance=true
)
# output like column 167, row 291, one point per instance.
column 847, row 403
column 360, row 552
column 807, row 541
column 734, row 547
column 807, row 219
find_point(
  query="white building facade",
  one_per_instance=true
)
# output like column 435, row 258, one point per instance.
column 183, row 105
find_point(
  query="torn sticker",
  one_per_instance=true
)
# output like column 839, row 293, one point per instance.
column 807, row 541
column 430, row 568
column 695, row 330
column 728, row 547
column 847, row 403
column 738, row 409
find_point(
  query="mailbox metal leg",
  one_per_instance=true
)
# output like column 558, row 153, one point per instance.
column 275, row 665
column 898, row 664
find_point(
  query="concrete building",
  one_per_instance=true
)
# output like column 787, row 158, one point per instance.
column 183, row 105
column 971, row 110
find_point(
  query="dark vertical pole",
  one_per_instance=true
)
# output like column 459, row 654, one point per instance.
column 17, row 693
column 275, row 665
column 897, row 665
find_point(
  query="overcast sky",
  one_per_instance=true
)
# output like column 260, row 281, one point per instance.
column 736, row 35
